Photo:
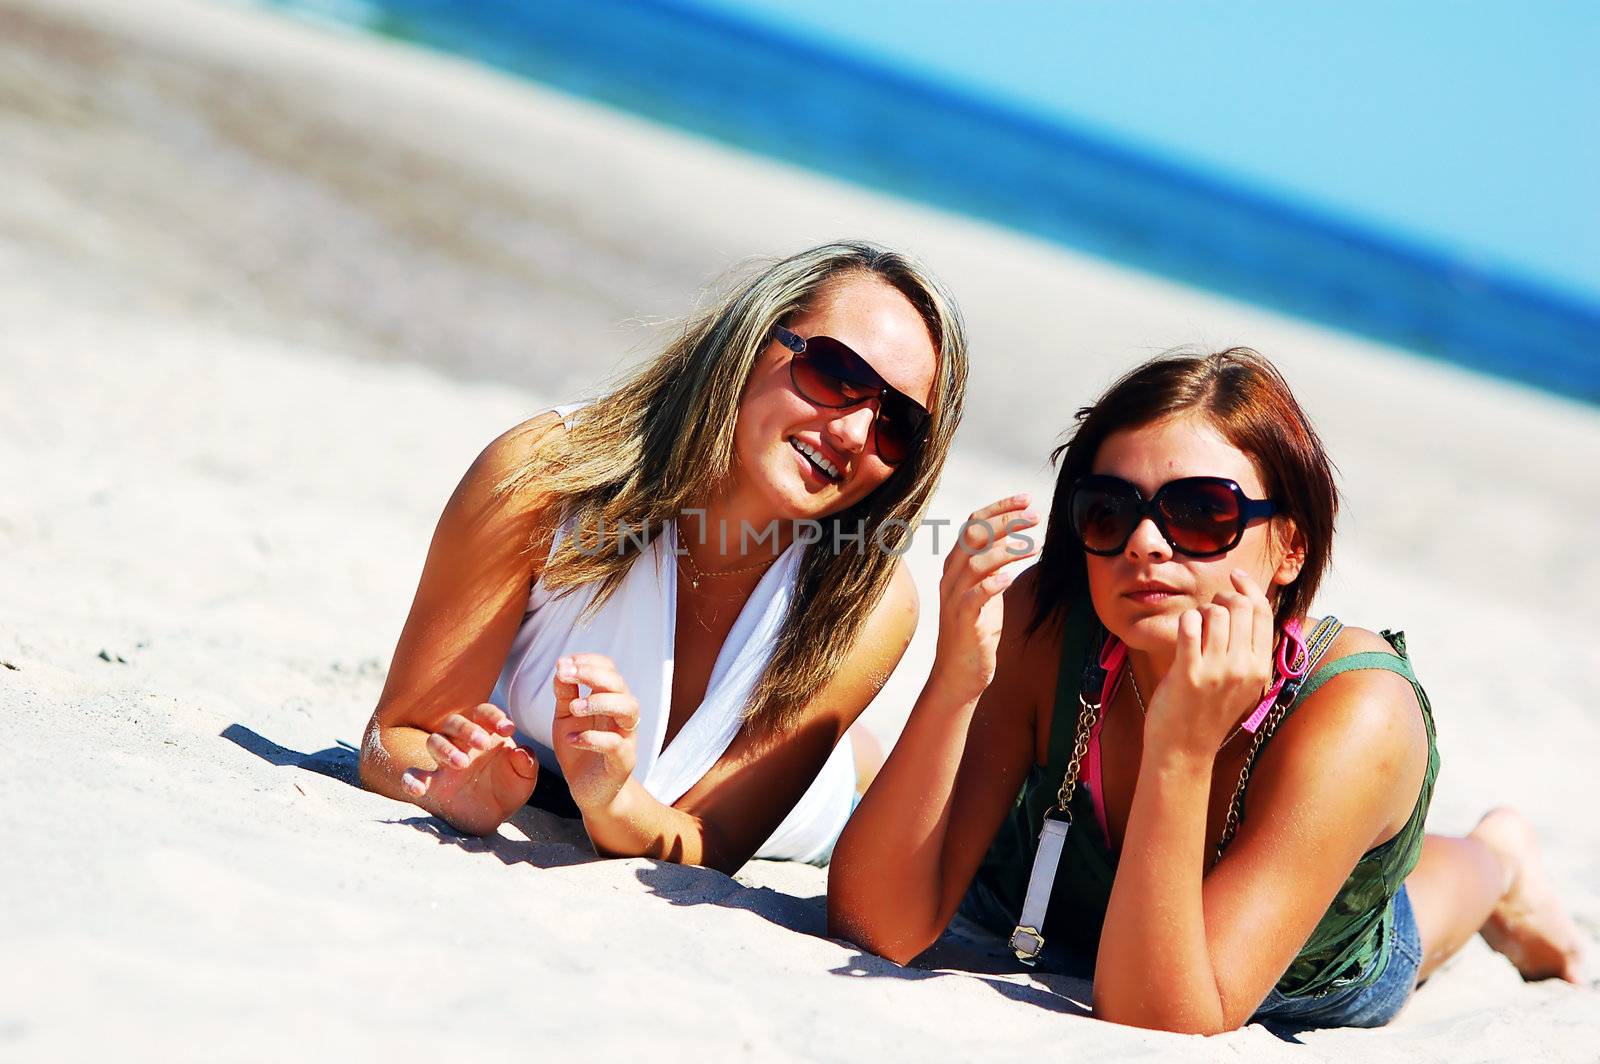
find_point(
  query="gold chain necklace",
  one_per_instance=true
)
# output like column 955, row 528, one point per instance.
column 697, row 574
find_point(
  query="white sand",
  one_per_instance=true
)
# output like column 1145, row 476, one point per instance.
column 249, row 274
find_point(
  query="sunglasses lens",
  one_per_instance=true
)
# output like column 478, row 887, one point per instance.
column 1103, row 515
column 901, row 424
column 829, row 374
column 1202, row 516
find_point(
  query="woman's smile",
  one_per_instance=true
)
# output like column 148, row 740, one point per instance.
column 820, row 461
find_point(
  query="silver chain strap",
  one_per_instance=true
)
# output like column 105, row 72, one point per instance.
column 1088, row 713
column 1230, row 826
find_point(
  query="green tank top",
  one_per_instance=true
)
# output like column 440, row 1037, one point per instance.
column 1351, row 943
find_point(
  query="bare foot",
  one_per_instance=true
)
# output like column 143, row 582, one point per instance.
column 1530, row 925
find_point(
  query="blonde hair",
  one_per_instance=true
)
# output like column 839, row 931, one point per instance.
column 663, row 438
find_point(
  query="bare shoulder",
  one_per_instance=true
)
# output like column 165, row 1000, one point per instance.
column 491, row 519
column 897, row 613
column 891, row 624
column 489, row 490
column 869, row 664
column 1021, row 601
column 1028, row 655
column 510, row 452
column 1353, row 640
column 1374, row 695
column 1026, row 666
column 1367, row 719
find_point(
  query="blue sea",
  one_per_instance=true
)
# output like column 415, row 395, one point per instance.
column 1425, row 175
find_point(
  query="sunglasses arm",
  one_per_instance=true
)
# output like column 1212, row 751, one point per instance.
column 792, row 340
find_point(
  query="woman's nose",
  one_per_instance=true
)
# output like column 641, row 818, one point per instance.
column 850, row 430
column 1147, row 541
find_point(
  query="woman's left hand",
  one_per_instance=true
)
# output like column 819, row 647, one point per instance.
column 1221, row 671
column 593, row 734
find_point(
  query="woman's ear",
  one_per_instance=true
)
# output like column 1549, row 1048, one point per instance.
column 1292, row 543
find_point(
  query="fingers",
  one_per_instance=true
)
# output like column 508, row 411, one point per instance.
column 990, row 539
column 595, row 671
column 1011, row 542
column 623, row 710
column 1262, row 624
column 513, row 779
column 600, row 723
column 465, row 735
column 984, row 526
column 1239, row 632
column 1241, row 624
column 1215, row 625
column 565, row 691
column 975, row 568
column 492, row 718
column 989, row 513
column 458, row 736
column 969, row 603
column 415, row 781
column 604, row 720
column 446, row 752
column 992, row 585
column 1250, row 628
column 522, row 763
column 598, row 741
column 1190, row 629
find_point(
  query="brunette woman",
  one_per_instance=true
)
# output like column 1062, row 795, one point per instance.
column 1221, row 797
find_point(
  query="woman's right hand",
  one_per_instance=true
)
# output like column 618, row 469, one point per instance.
column 970, row 605
column 482, row 775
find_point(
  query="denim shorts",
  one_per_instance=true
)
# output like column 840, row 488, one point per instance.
column 1364, row 1006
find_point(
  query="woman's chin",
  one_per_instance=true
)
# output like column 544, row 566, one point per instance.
column 1146, row 632
column 791, row 499
column 804, row 493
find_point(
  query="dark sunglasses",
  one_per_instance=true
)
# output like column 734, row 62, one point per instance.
column 1200, row 517
column 826, row 372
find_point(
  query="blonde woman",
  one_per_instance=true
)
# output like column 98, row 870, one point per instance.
column 715, row 590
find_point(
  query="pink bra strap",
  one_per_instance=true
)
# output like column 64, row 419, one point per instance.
column 1113, row 654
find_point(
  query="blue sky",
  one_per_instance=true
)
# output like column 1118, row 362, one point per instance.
column 1470, row 127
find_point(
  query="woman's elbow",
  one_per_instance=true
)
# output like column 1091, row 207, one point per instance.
column 848, row 923
column 1136, row 1015
column 373, row 764
column 1174, row 1026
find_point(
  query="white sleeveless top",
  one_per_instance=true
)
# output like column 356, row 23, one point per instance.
column 636, row 629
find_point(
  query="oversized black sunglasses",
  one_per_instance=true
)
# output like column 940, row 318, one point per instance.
column 826, row 372
column 1200, row 517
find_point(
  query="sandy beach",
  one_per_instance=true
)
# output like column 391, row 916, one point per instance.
column 266, row 288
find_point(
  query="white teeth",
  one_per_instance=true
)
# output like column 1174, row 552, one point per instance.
column 816, row 456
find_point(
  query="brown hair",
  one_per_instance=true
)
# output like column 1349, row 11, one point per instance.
column 1247, row 400
column 664, row 437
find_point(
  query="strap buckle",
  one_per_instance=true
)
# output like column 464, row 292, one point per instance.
column 1027, row 943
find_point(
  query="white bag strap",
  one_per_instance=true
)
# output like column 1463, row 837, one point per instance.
column 1027, row 940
